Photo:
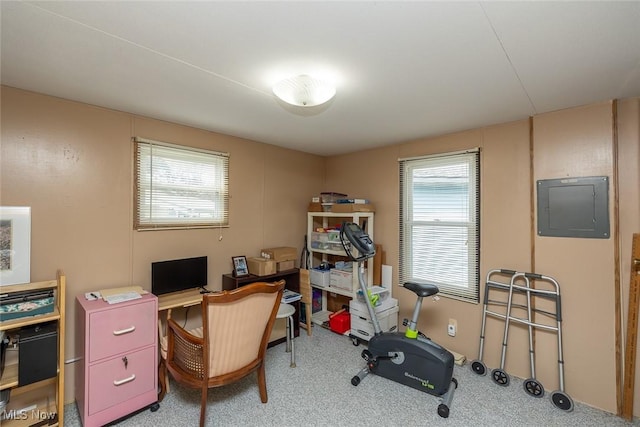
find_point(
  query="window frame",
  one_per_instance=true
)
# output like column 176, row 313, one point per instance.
column 470, row 292
column 191, row 159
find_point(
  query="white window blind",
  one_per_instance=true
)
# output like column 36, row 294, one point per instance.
column 440, row 223
column 179, row 187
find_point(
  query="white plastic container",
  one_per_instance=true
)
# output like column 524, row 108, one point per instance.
column 361, row 324
column 379, row 291
column 319, row 277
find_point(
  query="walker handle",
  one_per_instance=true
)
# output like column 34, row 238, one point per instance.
column 505, row 271
column 533, row 275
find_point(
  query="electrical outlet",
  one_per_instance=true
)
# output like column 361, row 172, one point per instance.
column 452, row 327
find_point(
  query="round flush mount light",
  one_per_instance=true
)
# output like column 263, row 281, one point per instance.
column 304, row 91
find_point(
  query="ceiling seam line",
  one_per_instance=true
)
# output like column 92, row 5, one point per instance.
column 148, row 49
column 504, row 50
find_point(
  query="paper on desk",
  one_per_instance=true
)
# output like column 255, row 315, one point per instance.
column 122, row 290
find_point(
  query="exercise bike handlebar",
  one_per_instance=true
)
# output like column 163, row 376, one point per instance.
column 351, row 233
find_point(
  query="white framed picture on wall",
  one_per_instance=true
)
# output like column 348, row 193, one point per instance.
column 15, row 245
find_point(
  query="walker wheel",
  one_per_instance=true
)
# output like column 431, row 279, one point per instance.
column 562, row 400
column 443, row 410
column 355, row 380
column 500, row 377
column 533, row 387
column 478, row 367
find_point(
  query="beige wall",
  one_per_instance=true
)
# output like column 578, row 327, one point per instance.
column 574, row 142
column 505, row 226
column 72, row 163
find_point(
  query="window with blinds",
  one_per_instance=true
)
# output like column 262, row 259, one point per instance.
column 179, row 187
column 440, row 223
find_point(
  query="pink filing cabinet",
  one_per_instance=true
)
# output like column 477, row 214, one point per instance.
column 117, row 372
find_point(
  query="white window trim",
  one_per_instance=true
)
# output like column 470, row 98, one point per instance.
column 209, row 208
column 468, row 288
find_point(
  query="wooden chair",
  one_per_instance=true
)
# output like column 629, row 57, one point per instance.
column 307, row 297
column 236, row 328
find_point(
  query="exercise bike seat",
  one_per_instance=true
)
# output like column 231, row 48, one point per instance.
column 422, row 289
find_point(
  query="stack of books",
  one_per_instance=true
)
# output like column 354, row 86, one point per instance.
column 289, row 296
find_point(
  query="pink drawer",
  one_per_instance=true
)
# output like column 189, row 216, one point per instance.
column 116, row 331
column 111, row 383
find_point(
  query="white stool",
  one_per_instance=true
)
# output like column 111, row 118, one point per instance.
column 287, row 310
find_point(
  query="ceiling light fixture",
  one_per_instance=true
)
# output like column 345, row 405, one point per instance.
column 304, row 91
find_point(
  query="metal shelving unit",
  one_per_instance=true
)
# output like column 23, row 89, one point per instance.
column 317, row 256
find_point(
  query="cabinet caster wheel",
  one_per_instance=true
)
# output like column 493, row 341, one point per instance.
column 154, row 407
column 355, row 341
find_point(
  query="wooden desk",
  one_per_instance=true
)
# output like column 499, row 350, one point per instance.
column 179, row 299
column 191, row 297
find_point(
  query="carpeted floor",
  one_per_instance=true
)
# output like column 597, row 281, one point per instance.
column 318, row 392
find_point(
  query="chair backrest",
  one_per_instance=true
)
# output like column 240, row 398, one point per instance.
column 237, row 325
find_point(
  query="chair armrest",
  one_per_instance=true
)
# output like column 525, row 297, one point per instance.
column 185, row 353
column 173, row 327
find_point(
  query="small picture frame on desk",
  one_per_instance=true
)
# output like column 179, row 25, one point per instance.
column 240, row 267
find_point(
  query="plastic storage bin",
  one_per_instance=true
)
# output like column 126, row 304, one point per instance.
column 378, row 294
column 341, row 279
column 361, row 324
column 320, row 277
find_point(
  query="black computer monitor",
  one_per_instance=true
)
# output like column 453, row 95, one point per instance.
column 178, row 274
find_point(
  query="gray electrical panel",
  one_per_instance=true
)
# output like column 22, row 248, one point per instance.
column 574, row 207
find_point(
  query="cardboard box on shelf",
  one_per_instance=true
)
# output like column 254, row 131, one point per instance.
column 285, row 265
column 314, row 207
column 282, row 253
column 352, row 207
column 319, row 207
column 261, row 266
column 337, row 302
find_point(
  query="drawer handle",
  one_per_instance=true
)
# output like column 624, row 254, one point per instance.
column 124, row 381
column 124, row 331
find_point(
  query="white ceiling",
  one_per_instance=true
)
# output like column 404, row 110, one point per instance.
column 404, row 70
